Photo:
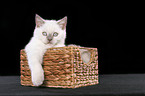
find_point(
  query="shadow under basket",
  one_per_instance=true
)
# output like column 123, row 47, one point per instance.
column 64, row 68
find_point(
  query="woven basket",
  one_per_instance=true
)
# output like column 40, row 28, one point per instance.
column 64, row 68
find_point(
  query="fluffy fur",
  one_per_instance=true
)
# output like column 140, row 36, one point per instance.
column 47, row 34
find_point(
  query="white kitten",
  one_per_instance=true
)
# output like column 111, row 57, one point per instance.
column 47, row 34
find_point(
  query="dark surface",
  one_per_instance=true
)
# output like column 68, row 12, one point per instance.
column 110, row 85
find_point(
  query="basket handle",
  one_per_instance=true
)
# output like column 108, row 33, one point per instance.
column 86, row 55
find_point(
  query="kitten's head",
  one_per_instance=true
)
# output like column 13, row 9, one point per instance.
column 50, row 31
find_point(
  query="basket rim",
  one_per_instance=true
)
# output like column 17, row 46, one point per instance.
column 69, row 47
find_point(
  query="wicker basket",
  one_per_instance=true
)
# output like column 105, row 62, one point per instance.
column 63, row 68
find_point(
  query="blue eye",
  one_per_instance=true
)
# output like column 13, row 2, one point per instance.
column 44, row 33
column 55, row 34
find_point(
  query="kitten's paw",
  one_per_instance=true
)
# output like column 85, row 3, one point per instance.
column 38, row 77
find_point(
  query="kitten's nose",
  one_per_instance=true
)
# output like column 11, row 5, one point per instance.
column 49, row 37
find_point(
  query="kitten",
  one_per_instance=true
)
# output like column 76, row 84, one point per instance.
column 47, row 34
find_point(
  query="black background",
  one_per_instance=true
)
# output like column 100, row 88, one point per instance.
column 117, row 31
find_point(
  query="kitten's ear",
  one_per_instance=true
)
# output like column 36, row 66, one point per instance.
column 39, row 21
column 62, row 23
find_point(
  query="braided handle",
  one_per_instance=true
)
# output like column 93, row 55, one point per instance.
column 86, row 55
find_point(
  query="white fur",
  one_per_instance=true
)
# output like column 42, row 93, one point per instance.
column 38, row 45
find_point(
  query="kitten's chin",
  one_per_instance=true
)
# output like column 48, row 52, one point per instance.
column 49, row 43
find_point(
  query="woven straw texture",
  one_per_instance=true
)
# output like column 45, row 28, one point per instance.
column 63, row 68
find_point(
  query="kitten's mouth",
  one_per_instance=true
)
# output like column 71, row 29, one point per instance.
column 49, row 42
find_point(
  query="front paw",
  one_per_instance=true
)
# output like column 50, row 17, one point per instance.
column 37, row 77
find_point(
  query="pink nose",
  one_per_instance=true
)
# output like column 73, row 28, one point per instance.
column 50, row 39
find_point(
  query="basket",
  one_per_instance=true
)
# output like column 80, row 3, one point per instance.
column 63, row 68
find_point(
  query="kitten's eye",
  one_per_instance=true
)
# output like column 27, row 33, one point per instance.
column 44, row 33
column 55, row 34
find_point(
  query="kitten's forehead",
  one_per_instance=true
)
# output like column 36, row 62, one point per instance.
column 50, row 26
